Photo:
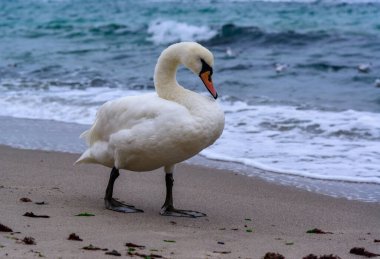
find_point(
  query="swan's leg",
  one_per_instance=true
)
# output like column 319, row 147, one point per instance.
column 168, row 208
column 113, row 204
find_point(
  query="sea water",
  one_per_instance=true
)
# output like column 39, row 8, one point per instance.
column 286, row 72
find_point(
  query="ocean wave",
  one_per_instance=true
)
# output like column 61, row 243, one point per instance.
column 231, row 33
column 59, row 25
column 169, row 31
column 252, row 163
column 111, row 29
column 59, row 103
column 164, row 32
column 72, row 30
column 325, row 66
column 348, row 124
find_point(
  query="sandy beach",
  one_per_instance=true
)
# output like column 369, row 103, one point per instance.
column 247, row 217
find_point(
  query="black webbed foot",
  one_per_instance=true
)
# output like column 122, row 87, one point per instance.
column 118, row 206
column 172, row 212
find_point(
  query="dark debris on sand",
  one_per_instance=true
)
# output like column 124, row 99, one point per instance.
column 145, row 255
column 312, row 256
column 362, row 251
column 24, row 199
column 29, row 241
column 90, row 247
column 85, row 214
column 317, row 231
column 376, row 240
column 329, row 257
column 113, row 252
column 40, row 203
column 32, row 215
column 222, row 252
column 74, row 237
column 134, row 245
column 132, row 251
column 5, row 228
column 270, row 255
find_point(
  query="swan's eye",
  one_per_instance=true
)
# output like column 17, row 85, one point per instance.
column 206, row 68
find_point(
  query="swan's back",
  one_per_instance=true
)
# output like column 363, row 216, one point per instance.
column 129, row 112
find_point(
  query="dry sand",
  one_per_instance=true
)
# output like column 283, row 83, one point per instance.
column 278, row 216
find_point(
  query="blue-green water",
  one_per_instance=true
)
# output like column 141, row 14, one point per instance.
column 320, row 117
column 119, row 41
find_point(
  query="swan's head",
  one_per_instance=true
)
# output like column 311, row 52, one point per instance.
column 200, row 61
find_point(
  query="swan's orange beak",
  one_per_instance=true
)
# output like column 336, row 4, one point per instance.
column 207, row 80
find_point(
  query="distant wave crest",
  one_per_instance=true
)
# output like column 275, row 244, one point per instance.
column 169, row 31
column 230, row 33
column 163, row 32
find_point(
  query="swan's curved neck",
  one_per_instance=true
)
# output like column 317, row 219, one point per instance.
column 165, row 80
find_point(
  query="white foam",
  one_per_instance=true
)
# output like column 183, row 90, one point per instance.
column 317, row 144
column 169, row 31
column 58, row 103
column 284, row 139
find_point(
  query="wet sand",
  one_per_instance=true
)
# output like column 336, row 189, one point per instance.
column 247, row 217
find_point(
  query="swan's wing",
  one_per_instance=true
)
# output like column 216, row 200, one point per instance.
column 144, row 114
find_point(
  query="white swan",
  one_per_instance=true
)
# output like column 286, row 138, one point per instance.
column 143, row 133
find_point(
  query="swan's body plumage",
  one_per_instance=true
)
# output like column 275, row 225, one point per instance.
column 142, row 133
column 146, row 132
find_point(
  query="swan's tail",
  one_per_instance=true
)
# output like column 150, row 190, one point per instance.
column 85, row 158
column 97, row 151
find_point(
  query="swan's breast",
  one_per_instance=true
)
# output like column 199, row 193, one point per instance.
column 208, row 115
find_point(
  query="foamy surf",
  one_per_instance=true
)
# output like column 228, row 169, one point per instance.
column 329, row 145
column 169, row 31
column 58, row 103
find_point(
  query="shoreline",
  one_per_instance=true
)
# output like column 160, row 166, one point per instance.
column 358, row 191
column 64, row 137
column 277, row 215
